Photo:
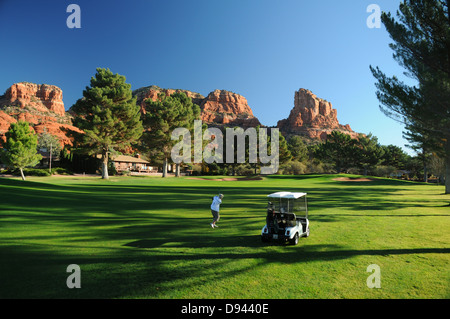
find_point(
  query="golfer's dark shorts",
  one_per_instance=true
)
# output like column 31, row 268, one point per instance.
column 216, row 215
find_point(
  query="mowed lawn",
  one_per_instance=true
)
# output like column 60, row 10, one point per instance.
column 141, row 237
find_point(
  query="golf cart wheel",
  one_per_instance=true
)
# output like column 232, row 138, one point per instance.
column 294, row 241
column 307, row 232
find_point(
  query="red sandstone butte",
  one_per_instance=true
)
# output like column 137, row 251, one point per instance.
column 41, row 105
column 225, row 107
column 42, row 97
column 220, row 107
column 312, row 117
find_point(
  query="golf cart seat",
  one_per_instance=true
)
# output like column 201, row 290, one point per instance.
column 291, row 220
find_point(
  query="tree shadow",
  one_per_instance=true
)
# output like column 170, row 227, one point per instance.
column 116, row 275
column 139, row 219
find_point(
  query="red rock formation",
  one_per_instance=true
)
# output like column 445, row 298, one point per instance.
column 40, row 105
column 5, row 122
column 224, row 107
column 312, row 117
column 42, row 97
column 219, row 107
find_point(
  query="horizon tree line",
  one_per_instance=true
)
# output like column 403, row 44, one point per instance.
column 113, row 123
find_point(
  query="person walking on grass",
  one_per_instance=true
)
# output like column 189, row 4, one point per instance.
column 215, row 207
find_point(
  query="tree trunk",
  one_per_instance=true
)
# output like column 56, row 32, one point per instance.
column 425, row 173
column 50, row 162
column 177, row 170
column 447, row 173
column 447, row 166
column 105, row 174
column 165, row 168
column 21, row 174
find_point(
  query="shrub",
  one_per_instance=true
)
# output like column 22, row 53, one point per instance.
column 61, row 171
column 384, row 171
column 244, row 170
column 32, row 172
column 125, row 173
column 293, row 168
column 315, row 167
column 355, row 171
column 196, row 169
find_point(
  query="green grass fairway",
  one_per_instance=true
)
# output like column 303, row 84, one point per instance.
column 137, row 237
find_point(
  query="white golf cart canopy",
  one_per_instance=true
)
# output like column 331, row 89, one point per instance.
column 288, row 202
column 287, row 195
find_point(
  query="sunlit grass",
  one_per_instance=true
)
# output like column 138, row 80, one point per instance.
column 150, row 238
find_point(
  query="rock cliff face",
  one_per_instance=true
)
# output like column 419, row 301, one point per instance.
column 40, row 105
column 42, row 97
column 312, row 117
column 219, row 107
column 224, row 107
column 5, row 122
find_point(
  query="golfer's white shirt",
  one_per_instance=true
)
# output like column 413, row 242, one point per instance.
column 216, row 203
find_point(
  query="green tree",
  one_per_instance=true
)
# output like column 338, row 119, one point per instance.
column 338, row 149
column 108, row 115
column 422, row 143
column 422, row 46
column 20, row 149
column 162, row 117
column 394, row 156
column 51, row 144
column 368, row 152
column 298, row 149
column 284, row 153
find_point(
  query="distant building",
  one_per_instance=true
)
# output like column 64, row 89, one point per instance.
column 132, row 164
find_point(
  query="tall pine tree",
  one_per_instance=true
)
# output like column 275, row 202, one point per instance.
column 108, row 115
column 422, row 46
column 162, row 117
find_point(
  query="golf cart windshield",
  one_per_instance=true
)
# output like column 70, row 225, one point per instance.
column 289, row 203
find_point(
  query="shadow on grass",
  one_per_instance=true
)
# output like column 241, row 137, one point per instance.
column 118, row 199
column 134, row 273
column 156, row 251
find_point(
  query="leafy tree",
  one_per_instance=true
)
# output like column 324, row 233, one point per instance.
column 162, row 117
column 108, row 115
column 51, row 143
column 394, row 156
column 284, row 153
column 339, row 149
column 20, row 149
column 422, row 143
column 415, row 166
column 232, row 163
column 437, row 167
column 298, row 149
column 252, row 150
column 422, row 46
column 368, row 152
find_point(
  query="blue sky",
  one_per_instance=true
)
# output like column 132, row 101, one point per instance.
column 263, row 50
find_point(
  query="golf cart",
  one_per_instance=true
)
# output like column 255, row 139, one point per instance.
column 287, row 218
